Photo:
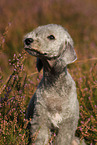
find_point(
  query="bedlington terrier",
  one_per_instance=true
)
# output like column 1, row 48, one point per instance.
column 54, row 107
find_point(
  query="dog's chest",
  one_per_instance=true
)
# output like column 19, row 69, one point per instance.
column 53, row 100
column 54, row 105
column 55, row 118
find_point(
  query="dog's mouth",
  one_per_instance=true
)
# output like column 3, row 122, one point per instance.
column 46, row 61
column 34, row 52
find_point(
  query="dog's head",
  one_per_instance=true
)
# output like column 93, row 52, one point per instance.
column 50, row 42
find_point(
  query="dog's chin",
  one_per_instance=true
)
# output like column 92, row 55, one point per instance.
column 39, row 54
column 34, row 52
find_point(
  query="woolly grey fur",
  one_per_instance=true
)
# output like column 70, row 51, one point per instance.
column 54, row 107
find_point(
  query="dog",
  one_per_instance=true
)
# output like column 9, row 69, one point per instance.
column 54, row 107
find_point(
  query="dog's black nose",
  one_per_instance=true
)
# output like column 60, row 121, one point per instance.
column 28, row 41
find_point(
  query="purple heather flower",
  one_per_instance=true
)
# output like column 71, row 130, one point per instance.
column 14, row 55
column 19, row 54
column 80, row 128
column 86, row 89
column 95, row 106
column 3, row 40
column 82, row 122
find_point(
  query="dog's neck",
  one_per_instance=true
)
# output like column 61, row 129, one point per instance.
column 52, row 74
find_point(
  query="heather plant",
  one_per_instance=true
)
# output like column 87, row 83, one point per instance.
column 13, row 107
column 87, row 94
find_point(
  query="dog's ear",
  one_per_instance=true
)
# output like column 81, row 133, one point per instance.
column 69, row 54
column 39, row 64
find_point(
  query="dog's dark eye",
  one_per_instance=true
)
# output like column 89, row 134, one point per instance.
column 51, row 37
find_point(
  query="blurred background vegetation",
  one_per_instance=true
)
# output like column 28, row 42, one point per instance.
column 80, row 18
